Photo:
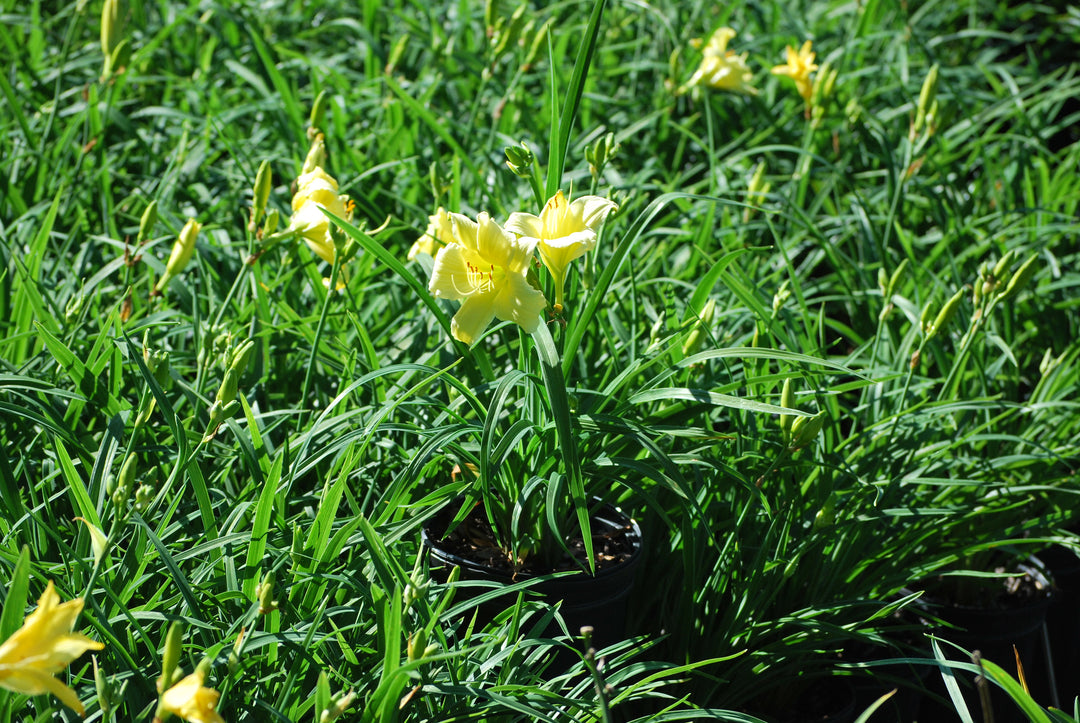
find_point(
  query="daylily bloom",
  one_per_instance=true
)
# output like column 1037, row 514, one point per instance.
column 721, row 68
column 440, row 231
column 564, row 231
column 800, row 64
column 485, row 268
column 316, row 190
column 44, row 646
column 191, row 701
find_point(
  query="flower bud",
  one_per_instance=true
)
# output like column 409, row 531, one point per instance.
column 787, row 400
column 924, row 318
column 98, row 542
column 338, row 705
column 805, row 429
column 229, row 386
column 260, row 195
column 700, row 331
column 316, row 157
column 103, row 686
column 537, row 44
column 112, row 27
column 170, row 656
column 146, row 223
column 74, row 307
column 1020, row 279
column 1002, row 266
column 318, row 112
column 125, row 481
column 182, row 252
column 896, row 278
column 233, row 662
column 926, row 98
column 946, row 314
column 600, row 152
column 264, row 593
column 417, row 645
column 519, row 160
column 826, row 516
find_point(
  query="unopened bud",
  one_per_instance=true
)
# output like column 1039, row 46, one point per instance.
column 260, row 194
column 537, row 43
column 316, row 157
column 229, row 386
column 182, row 251
column 700, row 330
column 926, row 98
column 805, row 429
column 896, row 278
column 924, row 318
column 170, row 656
column 1020, row 279
column 318, row 111
column 146, row 223
column 338, row 705
column 948, row 311
column 264, row 592
column 416, row 646
column 103, row 686
column 600, row 152
column 1002, row 266
column 519, row 160
column 826, row 516
column 782, row 294
column 787, row 400
column 112, row 27
column 233, row 662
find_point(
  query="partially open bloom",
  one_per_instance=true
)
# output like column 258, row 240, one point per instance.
column 564, row 231
column 721, row 68
column 316, row 190
column 800, row 64
column 191, row 701
column 44, row 646
column 440, row 231
column 485, row 268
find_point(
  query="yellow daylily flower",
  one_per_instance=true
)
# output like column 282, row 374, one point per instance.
column 485, row 268
column 721, row 68
column 316, row 190
column 191, row 701
column 44, row 646
column 564, row 231
column 800, row 64
column 440, row 231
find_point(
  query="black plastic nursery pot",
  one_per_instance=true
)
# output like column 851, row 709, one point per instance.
column 599, row 601
column 994, row 632
column 1062, row 668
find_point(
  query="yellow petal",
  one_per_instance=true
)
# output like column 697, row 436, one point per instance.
column 473, row 317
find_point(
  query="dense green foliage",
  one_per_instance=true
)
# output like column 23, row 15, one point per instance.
column 757, row 244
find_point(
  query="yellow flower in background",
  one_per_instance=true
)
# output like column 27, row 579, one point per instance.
column 440, row 231
column 316, row 190
column 191, row 701
column 721, row 68
column 800, row 64
column 44, row 646
column 564, row 231
column 485, row 268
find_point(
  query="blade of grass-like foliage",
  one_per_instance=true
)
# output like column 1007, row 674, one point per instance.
column 555, row 385
column 559, row 136
column 260, row 525
column 713, row 398
column 27, row 304
column 15, row 595
column 75, row 485
column 950, row 684
column 865, row 715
